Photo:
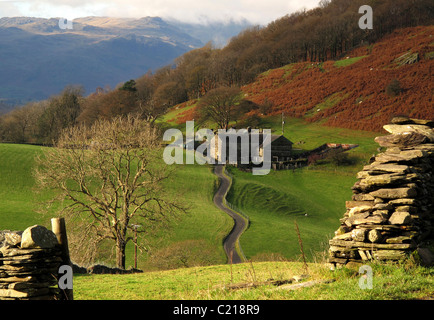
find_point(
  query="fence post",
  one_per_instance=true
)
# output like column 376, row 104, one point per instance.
column 59, row 229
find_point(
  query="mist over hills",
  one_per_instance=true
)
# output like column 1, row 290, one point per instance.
column 220, row 32
column 38, row 58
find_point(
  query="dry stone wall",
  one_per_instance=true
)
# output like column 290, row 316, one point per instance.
column 391, row 214
column 29, row 264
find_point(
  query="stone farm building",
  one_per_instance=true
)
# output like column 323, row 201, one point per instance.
column 281, row 148
column 283, row 156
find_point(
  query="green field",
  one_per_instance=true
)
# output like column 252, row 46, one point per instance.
column 210, row 283
column 308, row 136
column 19, row 202
column 348, row 61
column 203, row 226
column 274, row 201
column 314, row 196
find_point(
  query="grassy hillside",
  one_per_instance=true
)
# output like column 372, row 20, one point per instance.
column 273, row 202
column 203, row 227
column 314, row 196
column 18, row 203
column 197, row 237
column 352, row 92
column 210, row 283
column 308, row 136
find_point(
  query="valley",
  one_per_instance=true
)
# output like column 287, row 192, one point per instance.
column 40, row 58
column 83, row 116
column 315, row 196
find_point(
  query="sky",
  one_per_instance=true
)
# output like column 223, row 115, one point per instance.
column 255, row 11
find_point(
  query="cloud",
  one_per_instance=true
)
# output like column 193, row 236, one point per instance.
column 261, row 12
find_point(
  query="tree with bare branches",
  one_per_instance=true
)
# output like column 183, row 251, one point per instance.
column 109, row 177
column 220, row 105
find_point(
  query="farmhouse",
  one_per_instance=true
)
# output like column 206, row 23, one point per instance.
column 281, row 148
column 250, row 149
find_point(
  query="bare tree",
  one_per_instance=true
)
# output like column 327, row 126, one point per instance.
column 221, row 105
column 109, row 176
column 20, row 124
column 61, row 112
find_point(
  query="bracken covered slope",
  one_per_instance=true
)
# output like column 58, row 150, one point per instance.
column 352, row 93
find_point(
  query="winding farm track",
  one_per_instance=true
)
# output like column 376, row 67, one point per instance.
column 231, row 239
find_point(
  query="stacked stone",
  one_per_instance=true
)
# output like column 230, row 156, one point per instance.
column 29, row 264
column 392, row 209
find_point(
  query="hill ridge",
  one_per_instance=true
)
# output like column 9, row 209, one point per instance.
column 40, row 59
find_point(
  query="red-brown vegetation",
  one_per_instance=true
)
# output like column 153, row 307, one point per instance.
column 362, row 101
column 187, row 115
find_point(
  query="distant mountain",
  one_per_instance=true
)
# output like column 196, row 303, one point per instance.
column 39, row 57
column 217, row 32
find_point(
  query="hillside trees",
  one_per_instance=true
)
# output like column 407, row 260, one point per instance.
column 61, row 112
column 19, row 125
column 148, row 106
column 149, row 96
column 41, row 122
column 221, row 105
column 117, row 103
column 129, row 86
column 107, row 104
column 225, row 66
column 195, row 70
column 157, row 92
column 91, row 107
column 327, row 31
column 107, row 180
column 323, row 33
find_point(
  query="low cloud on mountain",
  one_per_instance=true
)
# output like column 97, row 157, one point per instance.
column 192, row 11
